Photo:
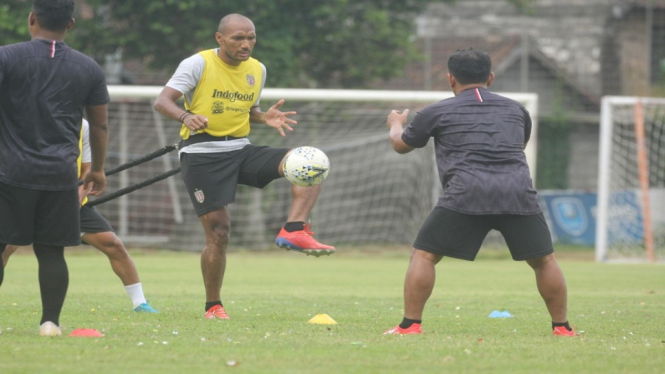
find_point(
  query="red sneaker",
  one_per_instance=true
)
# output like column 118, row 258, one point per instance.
column 303, row 241
column 563, row 331
column 216, row 311
column 416, row 328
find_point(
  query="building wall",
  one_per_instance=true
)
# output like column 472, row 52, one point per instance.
column 634, row 48
column 569, row 32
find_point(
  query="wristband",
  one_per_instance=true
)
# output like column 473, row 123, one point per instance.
column 183, row 116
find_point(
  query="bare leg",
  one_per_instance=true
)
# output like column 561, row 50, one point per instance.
column 216, row 225
column 3, row 247
column 303, row 200
column 121, row 263
column 9, row 250
column 296, row 235
column 552, row 286
column 419, row 282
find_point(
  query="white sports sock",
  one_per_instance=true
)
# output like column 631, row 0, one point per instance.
column 135, row 292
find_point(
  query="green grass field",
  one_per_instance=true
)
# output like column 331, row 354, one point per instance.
column 618, row 309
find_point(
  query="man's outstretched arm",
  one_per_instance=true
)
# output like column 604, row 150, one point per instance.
column 395, row 124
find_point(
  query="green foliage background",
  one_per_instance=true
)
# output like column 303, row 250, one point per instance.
column 303, row 43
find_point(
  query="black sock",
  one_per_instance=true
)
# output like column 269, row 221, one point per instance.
column 406, row 323
column 53, row 280
column 294, row 226
column 210, row 304
column 564, row 324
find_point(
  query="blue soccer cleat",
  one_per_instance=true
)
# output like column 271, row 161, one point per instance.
column 145, row 308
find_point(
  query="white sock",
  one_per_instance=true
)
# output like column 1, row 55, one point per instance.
column 135, row 292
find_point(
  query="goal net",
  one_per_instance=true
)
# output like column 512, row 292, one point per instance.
column 372, row 196
column 630, row 222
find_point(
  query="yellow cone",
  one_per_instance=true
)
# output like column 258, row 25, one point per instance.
column 322, row 319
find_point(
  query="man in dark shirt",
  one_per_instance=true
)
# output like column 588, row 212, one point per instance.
column 44, row 88
column 479, row 141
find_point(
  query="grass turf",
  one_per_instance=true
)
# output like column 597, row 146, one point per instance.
column 270, row 296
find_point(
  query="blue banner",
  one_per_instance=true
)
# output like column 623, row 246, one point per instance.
column 571, row 216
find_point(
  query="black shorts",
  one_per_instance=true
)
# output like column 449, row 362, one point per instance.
column 43, row 217
column 211, row 178
column 92, row 222
column 453, row 234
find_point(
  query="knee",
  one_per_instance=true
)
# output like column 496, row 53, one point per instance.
column 219, row 236
column 112, row 246
column 539, row 263
column 217, row 226
column 8, row 250
column 424, row 255
column 115, row 243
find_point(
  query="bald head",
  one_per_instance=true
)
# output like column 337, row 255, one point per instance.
column 231, row 22
column 236, row 37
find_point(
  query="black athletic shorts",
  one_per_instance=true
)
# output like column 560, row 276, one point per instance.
column 43, row 217
column 212, row 178
column 92, row 222
column 453, row 234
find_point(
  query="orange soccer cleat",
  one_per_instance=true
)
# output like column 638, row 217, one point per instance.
column 216, row 311
column 416, row 328
column 563, row 331
column 303, row 241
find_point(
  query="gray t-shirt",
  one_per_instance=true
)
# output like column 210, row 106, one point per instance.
column 479, row 143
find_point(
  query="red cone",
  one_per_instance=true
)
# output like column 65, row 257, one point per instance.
column 86, row 333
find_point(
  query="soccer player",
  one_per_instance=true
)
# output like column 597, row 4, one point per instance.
column 44, row 88
column 222, row 87
column 479, row 144
column 97, row 232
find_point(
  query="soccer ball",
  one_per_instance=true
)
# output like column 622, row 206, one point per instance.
column 306, row 166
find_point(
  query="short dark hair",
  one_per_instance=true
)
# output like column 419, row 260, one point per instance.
column 53, row 15
column 470, row 66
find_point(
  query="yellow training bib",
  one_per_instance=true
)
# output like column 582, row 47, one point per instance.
column 225, row 94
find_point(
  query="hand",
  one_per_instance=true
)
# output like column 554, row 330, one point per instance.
column 94, row 182
column 83, row 192
column 397, row 118
column 195, row 122
column 278, row 119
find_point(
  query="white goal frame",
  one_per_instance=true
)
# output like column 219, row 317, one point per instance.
column 605, row 174
column 124, row 96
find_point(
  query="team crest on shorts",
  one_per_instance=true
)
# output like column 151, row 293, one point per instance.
column 198, row 194
column 250, row 79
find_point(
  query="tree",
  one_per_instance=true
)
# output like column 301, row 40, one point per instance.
column 342, row 43
column 303, row 43
column 13, row 21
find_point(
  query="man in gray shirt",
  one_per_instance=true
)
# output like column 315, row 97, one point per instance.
column 479, row 143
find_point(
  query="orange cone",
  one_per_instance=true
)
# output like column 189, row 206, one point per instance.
column 86, row 333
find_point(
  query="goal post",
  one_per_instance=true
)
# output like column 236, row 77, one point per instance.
column 630, row 220
column 372, row 196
